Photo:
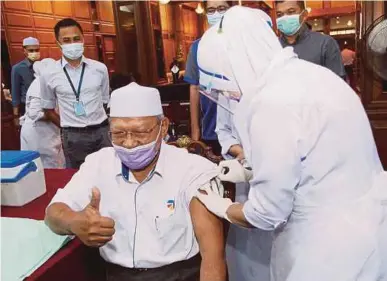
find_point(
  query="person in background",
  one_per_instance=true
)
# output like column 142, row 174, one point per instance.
column 202, row 109
column 309, row 45
column 22, row 76
column 349, row 57
column 38, row 133
column 137, row 206
column 247, row 250
column 80, row 86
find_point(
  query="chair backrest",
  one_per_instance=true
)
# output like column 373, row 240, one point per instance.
column 200, row 148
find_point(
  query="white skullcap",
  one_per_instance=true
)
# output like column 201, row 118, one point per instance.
column 134, row 100
column 29, row 41
column 44, row 65
column 266, row 17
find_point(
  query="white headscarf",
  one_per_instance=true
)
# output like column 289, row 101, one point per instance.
column 241, row 47
column 43, row 66
column 244, row 52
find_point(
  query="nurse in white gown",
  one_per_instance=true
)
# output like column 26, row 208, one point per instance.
column 316, row 177
column 36, row 132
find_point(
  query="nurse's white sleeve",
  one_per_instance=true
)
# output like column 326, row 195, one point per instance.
column 48, row 97
column 77, row 193
column 224, row 131
column 274, row 135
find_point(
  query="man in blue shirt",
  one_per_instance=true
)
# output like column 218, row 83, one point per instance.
column 203, row 110
column 22, row 76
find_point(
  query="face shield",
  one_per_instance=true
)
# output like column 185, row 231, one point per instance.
column 219, row 89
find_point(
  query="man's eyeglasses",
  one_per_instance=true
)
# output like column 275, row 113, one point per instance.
column 220, row 9
column 121, row 136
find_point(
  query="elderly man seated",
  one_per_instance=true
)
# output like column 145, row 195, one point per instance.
column 135, row 200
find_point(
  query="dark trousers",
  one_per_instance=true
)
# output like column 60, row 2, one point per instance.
column 188, row 270
column 80, row 142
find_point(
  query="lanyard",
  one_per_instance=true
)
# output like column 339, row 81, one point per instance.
column 76, row 93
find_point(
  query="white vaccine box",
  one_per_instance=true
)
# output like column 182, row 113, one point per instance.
column 22, row 177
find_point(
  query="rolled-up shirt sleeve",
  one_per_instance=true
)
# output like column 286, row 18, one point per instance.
column 77, row 193
column 224, row 130
column 332, row 57
column 15, row 86
column 200, row 173
column 105, row 86
column 48, row 97
column 191, row 75
column 276, row 164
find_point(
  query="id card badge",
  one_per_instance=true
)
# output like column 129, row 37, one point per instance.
column 79, row 108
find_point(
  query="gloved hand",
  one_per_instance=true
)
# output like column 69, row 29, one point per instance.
column 211, row 196
column 234, row 171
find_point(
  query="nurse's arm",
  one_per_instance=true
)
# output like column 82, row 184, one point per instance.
column 209, row 233
column 48, row 101
column 276, row 163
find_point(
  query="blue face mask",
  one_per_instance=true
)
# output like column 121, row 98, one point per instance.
column 289, row 25
column 214, row 18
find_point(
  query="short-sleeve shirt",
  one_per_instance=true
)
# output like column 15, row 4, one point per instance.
column 317, row 48
column 152, row 219
column 208, row 108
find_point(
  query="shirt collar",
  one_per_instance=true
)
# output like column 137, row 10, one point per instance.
column 302, row 34
column 64, row 62
column 121, row 170
column 27, row 62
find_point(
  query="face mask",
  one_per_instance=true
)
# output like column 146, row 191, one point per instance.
column 138, row 157
column 72, row 51
column 33, row 56
column 289, row 25
column 214, row 18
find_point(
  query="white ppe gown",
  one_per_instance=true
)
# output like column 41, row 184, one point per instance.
column 39, row 135
column 247, row 249
column 318, row 181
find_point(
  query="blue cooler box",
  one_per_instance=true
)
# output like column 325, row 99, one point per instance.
column 22, row 177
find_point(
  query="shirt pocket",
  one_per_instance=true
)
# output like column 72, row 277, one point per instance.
column 172, row 231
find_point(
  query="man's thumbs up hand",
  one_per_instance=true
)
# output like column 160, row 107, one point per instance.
column 89, row 226
column 95, row 198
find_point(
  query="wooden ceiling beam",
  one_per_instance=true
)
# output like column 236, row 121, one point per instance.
column 331, row 12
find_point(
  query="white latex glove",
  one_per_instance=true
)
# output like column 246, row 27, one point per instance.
column 213, row 201
column 234, row 171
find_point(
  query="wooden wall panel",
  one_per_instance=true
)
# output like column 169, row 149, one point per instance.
column 17, row 5
column 91, row 52
column 44, row 7
column 63, row 8
column 107, row 28
column 45, row 37
column 342, row 3
column 44, row 52
column 17, row 35
column 18, row 20
column 105, row 11
column 86, row 26
column 82, row 9
column 55, row 53
column 109, row 44
column 89, row 39
column 17, row 53
column 44, row 22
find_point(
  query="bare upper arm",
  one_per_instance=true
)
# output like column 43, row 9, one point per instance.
column 208, row 230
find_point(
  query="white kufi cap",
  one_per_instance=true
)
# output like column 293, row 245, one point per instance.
column 134, row 100
column 29, row 41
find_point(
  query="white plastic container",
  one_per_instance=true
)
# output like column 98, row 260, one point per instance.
column 22, row 177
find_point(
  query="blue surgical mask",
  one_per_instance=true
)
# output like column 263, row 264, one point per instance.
column 214, row 18
column 289, row 25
